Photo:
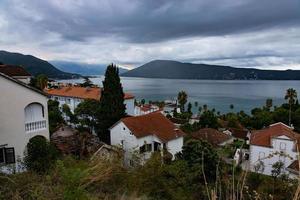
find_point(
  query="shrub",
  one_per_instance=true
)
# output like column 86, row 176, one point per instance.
column 41, row 155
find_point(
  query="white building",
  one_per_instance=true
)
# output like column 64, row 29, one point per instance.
column 23, row 115
column 74, row 95
column 145, row 134
column 276, row 143
column 145, row 109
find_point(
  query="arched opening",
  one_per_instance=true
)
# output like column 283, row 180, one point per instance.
column 34, row 117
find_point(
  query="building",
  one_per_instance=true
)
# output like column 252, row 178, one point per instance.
column 74, row 95
column 16, row 72
column 212, row 136
column 276, row 143
column 23, row 115
column 145, row 109
column 240, row 134
column 146, row 134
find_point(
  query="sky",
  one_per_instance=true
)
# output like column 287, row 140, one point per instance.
column 263, row 34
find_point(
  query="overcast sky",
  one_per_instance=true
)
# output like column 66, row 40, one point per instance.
column 241, row 33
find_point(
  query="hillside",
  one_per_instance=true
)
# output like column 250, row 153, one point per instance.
column 34, row 65
column 82, row 68
column 177, row 70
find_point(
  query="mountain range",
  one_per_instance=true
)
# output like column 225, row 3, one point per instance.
column 83, row 68
column 177, row 70
column 34, row 65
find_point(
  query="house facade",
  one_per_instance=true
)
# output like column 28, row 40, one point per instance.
column 23, row 115
column 145, row 109
column 145, row 134
column 74, row 95
column 276, row 143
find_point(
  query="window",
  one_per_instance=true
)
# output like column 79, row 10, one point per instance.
column 68, row 101
column 146, row 148
column 2, row 155
column 124, row 128
column 282, row 146
column 261, row 155
column 130, row 133
column 34, row 112
column 9, row 155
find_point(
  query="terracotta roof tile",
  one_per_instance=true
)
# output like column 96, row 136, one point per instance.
column 153, row 124
column 13, row 70
column 80, row 92
column 294, row 166
column 239, row 133
column 263, row 137
column 211, row 135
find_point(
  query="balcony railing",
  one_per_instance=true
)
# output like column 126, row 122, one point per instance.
column 35, row 126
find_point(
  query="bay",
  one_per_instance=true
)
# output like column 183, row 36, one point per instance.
column 218, row 94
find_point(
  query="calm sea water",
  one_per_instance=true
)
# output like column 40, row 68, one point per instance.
column 218, row 94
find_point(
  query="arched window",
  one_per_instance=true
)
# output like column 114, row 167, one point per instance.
column 34, row 112
column 34, row 117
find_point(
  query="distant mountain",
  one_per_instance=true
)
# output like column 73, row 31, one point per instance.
column 82, row 68
column 34, row 65
column 177, row 70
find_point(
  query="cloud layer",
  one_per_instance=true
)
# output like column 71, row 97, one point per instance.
column 248, row 33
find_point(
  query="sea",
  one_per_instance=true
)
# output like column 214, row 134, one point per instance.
column 218, row 94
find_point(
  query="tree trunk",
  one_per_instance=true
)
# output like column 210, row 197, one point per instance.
column 290, row 115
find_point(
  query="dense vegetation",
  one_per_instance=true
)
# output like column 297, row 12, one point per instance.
column 34, row 66
column 178, row 70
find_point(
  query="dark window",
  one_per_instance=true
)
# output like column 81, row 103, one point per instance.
column 142, row 149
column 148, row 147
column 1, row 155
column 10, row 155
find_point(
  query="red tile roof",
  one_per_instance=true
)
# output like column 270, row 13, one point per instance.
column 263, row 137
column 153, row 124
column 211, row 135
column 13, row 70
column 80, row 92
column 239, row 133
column 294, row 166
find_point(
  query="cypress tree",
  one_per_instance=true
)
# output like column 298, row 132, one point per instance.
column 112, row 107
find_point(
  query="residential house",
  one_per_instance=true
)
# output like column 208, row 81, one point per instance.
column 145, row 134
column 276, row 143
column 74, row 95
column 213, row 136
column 237, row 133
column 16, row 72
column 144, row 109
column 23, row 115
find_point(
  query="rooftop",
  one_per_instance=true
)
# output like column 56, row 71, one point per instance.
column 153, row 124
column 263, row 137
column 13, row 70
column 80, row 92
column 211, row 135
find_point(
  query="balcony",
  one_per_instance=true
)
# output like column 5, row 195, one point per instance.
column 35, row 126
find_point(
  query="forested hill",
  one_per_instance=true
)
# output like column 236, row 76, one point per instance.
column 178, row 70
column 34, row 65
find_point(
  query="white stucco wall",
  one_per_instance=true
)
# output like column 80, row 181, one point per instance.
column 121, row 135
column 129, row 106
column 13, row 100
column 263, row 153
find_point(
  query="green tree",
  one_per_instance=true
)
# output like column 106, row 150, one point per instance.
column 87, row 82
column 41, row 81
column 205, row 107
column 54, row 115
column 86, row 113
column 143, row 101
column 269, row 103
column 112, row 107
column 281, row 114
column 66, row 109
column 40, row 155
column 208, row 119
column 291, row 96
column 196, row 103
column 231, row 106
column 182, row 99
column 198, row 153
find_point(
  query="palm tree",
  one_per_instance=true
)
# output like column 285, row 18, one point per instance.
column 204, row 107
column 41, row 81
column 291, row 96
column 231, row 106
column 269, row 103
column 182, row 99
column 196, row 103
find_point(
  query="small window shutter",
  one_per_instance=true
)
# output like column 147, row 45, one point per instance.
column 10, row 155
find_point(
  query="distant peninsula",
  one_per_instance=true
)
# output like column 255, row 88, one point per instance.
column 177, row 70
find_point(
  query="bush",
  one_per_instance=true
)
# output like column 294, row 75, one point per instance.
column 41, row 155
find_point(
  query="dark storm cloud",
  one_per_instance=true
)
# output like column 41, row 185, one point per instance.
column 144, row 21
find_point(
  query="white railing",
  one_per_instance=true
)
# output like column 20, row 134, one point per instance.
column 35, row 126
